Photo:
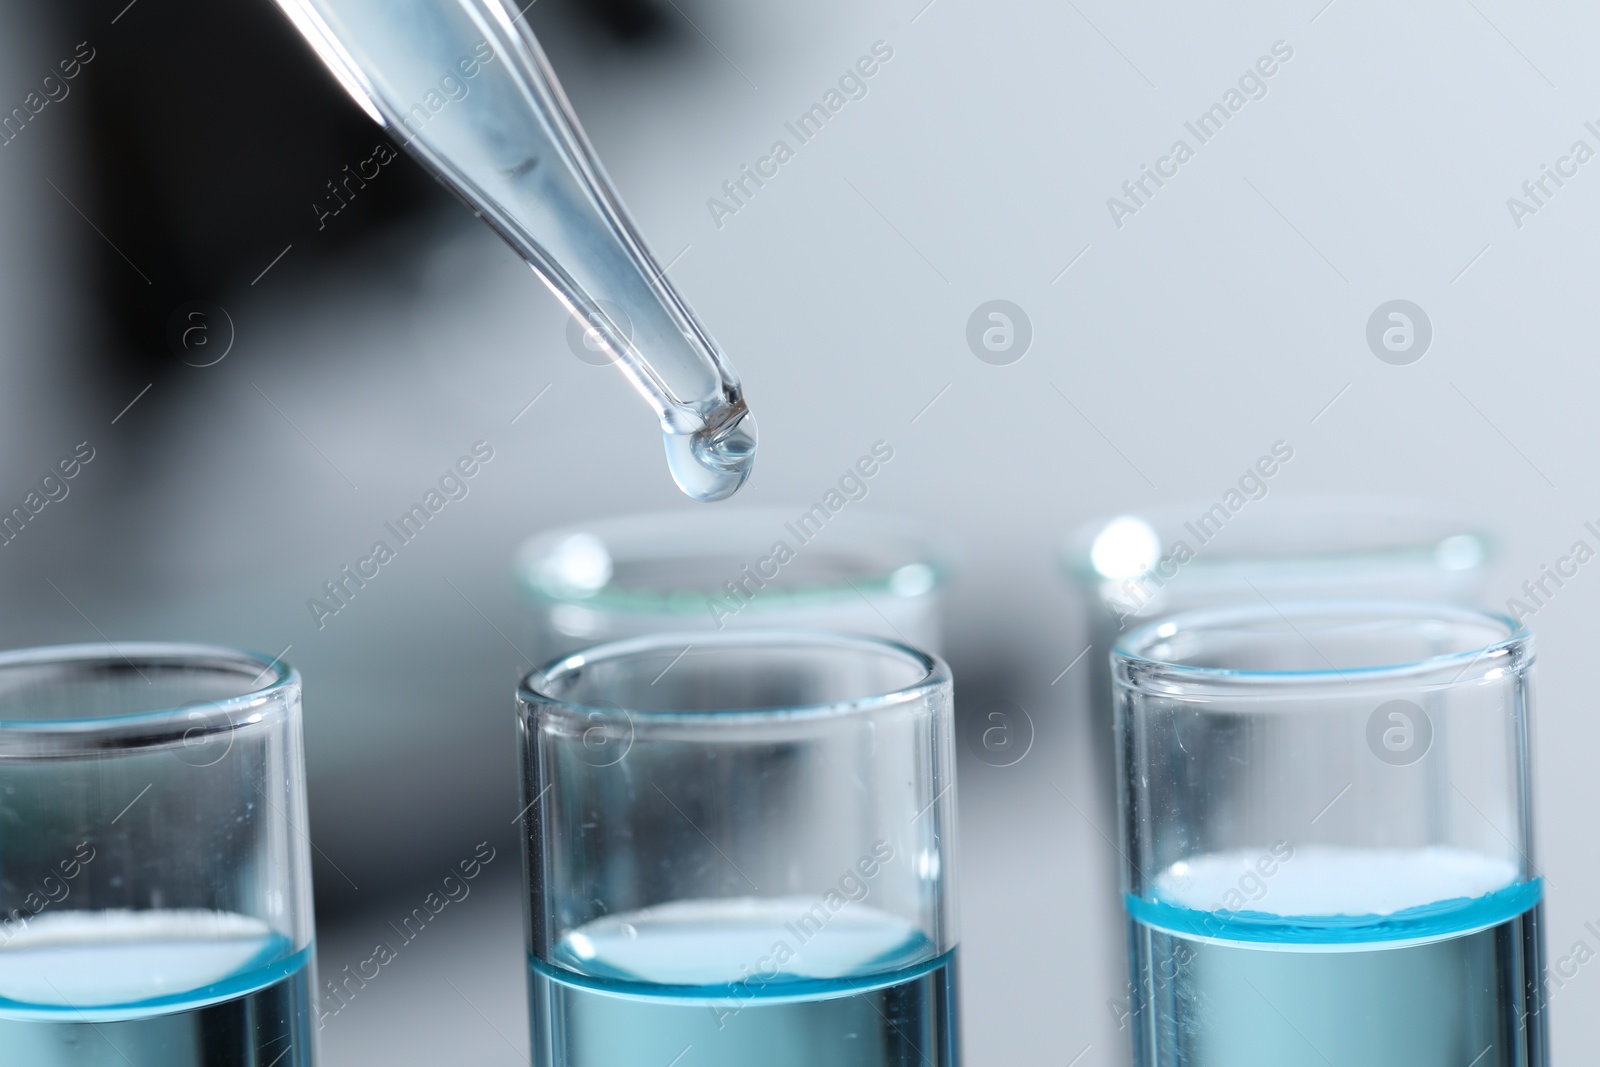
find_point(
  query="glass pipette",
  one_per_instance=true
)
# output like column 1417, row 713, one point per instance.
column 465, row 88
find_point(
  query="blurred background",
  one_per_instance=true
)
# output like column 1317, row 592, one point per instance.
column 1178, row 330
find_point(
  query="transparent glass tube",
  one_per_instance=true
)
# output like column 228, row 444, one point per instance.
column 1134, row 569
column 155, row 885
column 751, row 567
column 744, row 843
column 1327, row 837
column 465, row 88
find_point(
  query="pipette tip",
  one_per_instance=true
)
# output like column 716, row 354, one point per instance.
column 713, row 463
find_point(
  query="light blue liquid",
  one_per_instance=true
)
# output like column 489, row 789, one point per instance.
column 1450, row 984
column 702, row 989
column 69, row 998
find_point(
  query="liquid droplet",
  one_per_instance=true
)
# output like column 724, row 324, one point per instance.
column 712, row 465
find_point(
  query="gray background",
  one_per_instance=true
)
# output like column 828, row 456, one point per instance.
column 1229, row 313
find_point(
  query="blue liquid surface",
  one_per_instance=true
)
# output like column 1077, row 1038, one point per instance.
column 1442, row 918
column 706, row 985
column 154, row 989
column 1447, row 983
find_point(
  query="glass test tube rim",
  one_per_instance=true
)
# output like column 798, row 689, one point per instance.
column 1133, row 668
column 91, row 734
column 935, row 676
column 921, row 548
column 1433, row 524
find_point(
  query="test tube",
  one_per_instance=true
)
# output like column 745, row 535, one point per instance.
column 741, row 844
column 155, row 886
column 632, row 575
column 1327, row 837
column 1135, row 569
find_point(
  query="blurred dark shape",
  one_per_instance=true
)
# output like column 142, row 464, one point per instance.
column 215, row 140
column 214, row 134
column 630, row 20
